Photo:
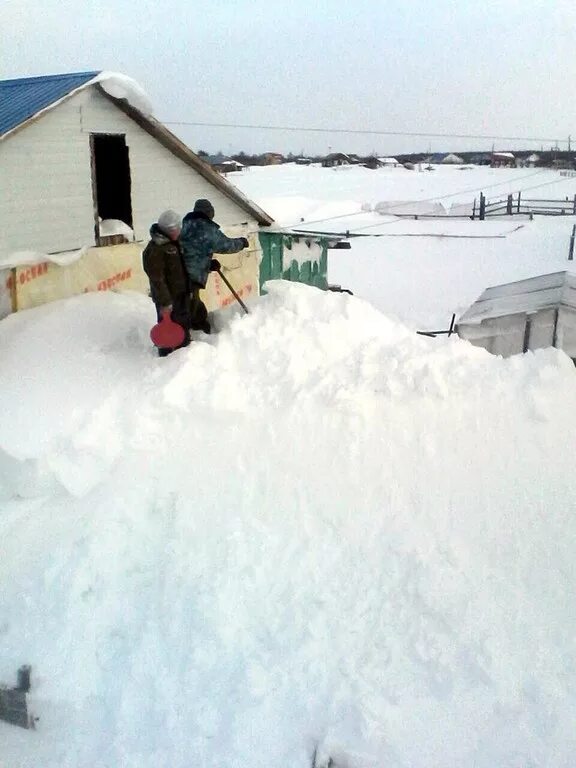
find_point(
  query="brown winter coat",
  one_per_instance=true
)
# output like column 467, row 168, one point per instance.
column 162, row 262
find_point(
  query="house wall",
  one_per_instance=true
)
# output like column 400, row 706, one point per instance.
column 46, row 192
column 113, row 268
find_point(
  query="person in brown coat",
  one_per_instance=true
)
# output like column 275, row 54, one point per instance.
column 169, row 283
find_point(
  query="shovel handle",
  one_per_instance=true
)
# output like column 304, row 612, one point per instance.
column 233, row 292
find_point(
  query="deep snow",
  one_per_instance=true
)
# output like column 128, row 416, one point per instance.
column 419, row 272
column 314, row 531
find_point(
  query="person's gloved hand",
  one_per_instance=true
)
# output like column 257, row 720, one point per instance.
column 245, row 243
column 215, row 265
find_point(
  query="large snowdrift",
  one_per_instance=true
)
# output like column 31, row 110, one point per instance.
column 312, row 533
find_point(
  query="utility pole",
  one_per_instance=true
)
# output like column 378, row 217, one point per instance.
column 569, row 138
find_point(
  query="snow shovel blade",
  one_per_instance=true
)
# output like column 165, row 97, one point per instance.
column 167, row 334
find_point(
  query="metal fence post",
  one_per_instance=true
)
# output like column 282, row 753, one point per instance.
column 571, row 248
column 482, row 215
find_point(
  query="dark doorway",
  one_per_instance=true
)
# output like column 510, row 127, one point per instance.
column 110, row 179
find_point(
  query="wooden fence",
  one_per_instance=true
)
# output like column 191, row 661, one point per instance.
column 515, row 204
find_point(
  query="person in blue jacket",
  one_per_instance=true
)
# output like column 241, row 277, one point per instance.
column 200, row 239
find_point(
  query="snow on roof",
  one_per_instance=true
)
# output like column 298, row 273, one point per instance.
column 523, row 296
column 389, row 160
column 503, row 154
column 23, row 98
column 122, row 87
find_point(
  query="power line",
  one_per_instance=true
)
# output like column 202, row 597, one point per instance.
column 364, row 132
column 405, row 203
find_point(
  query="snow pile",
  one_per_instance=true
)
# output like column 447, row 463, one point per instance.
column 410, row 207
column 110, row 227
column 314, row 533
column 24, row 258
column 121, row 86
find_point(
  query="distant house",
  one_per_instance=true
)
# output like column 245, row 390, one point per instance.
column 531, row 161
column 224, row 164
column 452, row 159
column 526, row 315
column 481, row 158
column 215, row 161
column 233, row 165
column 273, row 158
column 372, row 162
column 303, row 161
column 563, row 163
column 503, row 160
column 336, row 159
column 88, row 173
column 389, row 162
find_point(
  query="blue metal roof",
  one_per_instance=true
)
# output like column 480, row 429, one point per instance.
column 22, row 98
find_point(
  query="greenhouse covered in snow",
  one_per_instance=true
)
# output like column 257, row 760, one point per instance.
column 525, row 315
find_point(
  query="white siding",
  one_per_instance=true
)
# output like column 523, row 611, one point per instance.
column 46, row 190
column 46, row 197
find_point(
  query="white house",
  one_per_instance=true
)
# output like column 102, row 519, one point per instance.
column 503, row 160
column 529, row 162
column 85, row 171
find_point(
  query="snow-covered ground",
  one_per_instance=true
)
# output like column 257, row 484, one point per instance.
column 313, row 532
column 312, row 537
column 419, row 271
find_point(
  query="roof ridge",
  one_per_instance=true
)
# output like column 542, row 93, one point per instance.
column 38, row 78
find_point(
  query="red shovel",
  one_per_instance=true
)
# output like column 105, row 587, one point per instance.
column 167, row 334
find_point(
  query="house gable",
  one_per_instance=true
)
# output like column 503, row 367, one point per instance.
column 48, row 204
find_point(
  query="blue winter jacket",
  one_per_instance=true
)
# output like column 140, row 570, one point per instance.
column 200, row 239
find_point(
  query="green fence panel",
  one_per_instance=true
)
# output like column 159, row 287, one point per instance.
column 276, row 249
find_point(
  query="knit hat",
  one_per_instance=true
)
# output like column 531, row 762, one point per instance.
column 169, row 221
column 205, row 207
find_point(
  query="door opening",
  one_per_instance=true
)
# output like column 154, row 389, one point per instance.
column 111, row 184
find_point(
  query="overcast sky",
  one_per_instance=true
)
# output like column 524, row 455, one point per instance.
column 503, row 68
